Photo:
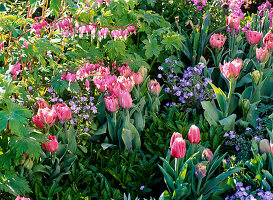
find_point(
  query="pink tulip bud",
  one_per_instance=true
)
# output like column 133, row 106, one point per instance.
column 111, row 103
column 264, row 146
column 63, row 111
column 143, row 70
column 217, row 41
column 155, row 88
column 268, row 40
column 175, row 136
column 233, row 21
column 36, row 120
column 207, row 155
column 232, row 69
column 51, row 145
column 21, row 198
column 63, row 76
column 200, row 170
column 125, row 99
column 254, row 37
column 47, row 116
column 262, row 54
column 42, row 104
column 137, row 77
column 87, row 84
column 178, row 148
column 194, row 134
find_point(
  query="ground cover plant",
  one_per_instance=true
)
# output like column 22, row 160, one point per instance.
column 135, row 99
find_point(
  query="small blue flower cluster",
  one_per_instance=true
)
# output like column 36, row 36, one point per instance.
column 185, row 89
column 245, row 193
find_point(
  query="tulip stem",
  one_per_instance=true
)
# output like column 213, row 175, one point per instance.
column 232, row 85
column 192, row 148
column 65, row 131
column 176, row 163
column 199, row 185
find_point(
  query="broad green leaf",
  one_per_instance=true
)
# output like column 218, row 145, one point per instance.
column 229, row 122
column 221, row 97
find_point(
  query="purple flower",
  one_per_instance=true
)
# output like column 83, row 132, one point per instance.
column 258, row 119
column 141, row 187
column 237, row 148
column 159, row 76
column 247, row 129
column 197, row 86
column 167, row 90
column 50, row 90
column 168, row 60
column 13, row 100
column 86, row 129
column 30, row 88
column 226, row 135
column 160, row 68
column 259, row 128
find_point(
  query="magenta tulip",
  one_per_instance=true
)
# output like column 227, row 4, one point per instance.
column 37, row 122
column 111, row 103
column 233, row 21
column 175, row 136
column 254, row 37
column 125, row 99
column 47, row 116
column 194, row 134
column 217, row 41
column 63, row 111
column 268, row 40
column 232, row 69
column 51, row 145
column 262, row 54
column 178, row 148
column 137, row 77
column 42, row 104
column 155, row 88
column 21, row 198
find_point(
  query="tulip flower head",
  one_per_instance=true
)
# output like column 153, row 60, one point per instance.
column 111, row 103
column 254, row 37
column 200, row 170
column 42, row 104
column 175, row 136
column 63, row 111
column 143, row 70
column 178, row 148
column 155, row 88
column 51, row 145
column 207, row 155
column 217, row 41
column 36, row 120
column 262, row 54
column 137, row 77
column 194, row 134
column 47, row 116
column 125, row 99
column 21, row 198
column 232, row 69
column 264, row 146
column 233, row 21
column 268, row 40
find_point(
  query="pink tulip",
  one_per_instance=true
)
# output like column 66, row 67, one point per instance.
column 42, row 104
column 232, row 69
column 194, row 134
column 233, row 21
column 126, row 83
column 268, row 40
column 207, row 155
column 21, row 198
column 115, row 89
column 178, row 148
column 262, row 54
column 25, row 44
column 63, row 111
column 111, row 103
column 125, row 71
column 217, row 41
column 125, row 99
column 51, row 145
column 143, row 70
column 155, row 88
column 37, row 122
column 137, row 77
column 254, row 37
column 175, row 136
column 47, row 116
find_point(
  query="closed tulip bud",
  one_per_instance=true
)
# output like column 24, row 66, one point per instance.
column 51, row 145
column 143, row 70
column 262, row 54
column 254, row 37
column 63, row 111
column 207, row 155
column 194, row 134
column 233, row 21
column 37, row 122
column 264, row 146
column 125, row 99
column 217, row 41
column 256, row 76
column 155, row 88
column 42, row 104
column 246, row 105
column 111, row 103
column 174, row 136
column 268, row 40
column 47, row 116
column 200, row 170
column 137, row 77
column 178, row 148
